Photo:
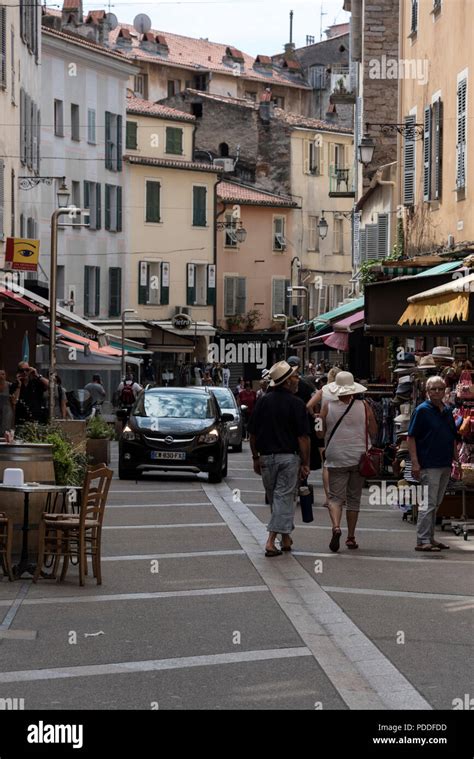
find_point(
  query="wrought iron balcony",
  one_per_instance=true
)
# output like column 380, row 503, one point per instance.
column 341, row 182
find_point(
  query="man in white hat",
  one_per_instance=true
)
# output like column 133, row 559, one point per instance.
column 346, row 424
column 279, row 440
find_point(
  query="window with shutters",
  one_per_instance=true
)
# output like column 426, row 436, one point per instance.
column 318, row 77
column 200, row 284
column 29, row 24
column 91, row 138
column 174, row 86
column 199, row 206
column 92, row 201
column 372, row 241
column 313, row 235
column 12, row 47
column 2, row 197
column 3, row 47
column 115, row 291
column 149, row 283
column 28, row 140
column 427, row 120
column 91, row 290
column 461, row 134
column 31, row 228
column 75, row 124
column 152, row 203
column 437, row 162
column 113, row 208
column 230, row 239
column 234, row 296
column 113, row 141
column 409, row 162
column 382, row 235
column 279, row 240
column 174, row 141
column 414, row 17
column 338, row 235
column 131, row 135
column 76, row 201
column 278, row 296
column 59, row 118
column 312, row 157
column 140, row 85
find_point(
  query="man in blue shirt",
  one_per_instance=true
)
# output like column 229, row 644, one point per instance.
column 432, row 447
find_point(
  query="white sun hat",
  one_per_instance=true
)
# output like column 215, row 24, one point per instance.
column 280, row 372
column 345, row 385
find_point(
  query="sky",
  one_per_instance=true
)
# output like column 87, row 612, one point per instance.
column 253, row 26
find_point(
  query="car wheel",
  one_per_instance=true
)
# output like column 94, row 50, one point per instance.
column 224, row 471
column 216, row 477
column 237, row 448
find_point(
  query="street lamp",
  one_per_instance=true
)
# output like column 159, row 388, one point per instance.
column 279, row 317
column 63, row 199
column 306, row 292
column 322, row 227
column 235, row 227
column 125, row 311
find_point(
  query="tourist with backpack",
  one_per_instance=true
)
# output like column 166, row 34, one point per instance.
column 127, row 392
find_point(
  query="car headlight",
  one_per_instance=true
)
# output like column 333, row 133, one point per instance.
column 128, row 434
column 209, row 437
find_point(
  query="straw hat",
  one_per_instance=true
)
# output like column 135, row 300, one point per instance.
column 442, row 354
column 345, row 385
column 427, row 362
column 280, row 372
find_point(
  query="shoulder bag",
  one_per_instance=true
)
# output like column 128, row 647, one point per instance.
column 370, row 464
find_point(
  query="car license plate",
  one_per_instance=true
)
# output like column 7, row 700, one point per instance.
column 174, row 455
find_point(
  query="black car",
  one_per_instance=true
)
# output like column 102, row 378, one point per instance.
column 175, row 429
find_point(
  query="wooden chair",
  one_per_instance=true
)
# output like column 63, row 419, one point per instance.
column 6, row 539
column 77, row 535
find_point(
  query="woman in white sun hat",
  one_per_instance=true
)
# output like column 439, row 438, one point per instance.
column 344, row 423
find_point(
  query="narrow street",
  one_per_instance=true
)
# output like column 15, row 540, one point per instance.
column 191, row 615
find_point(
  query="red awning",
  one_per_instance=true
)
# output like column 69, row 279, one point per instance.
column 353, row 321
column 4, row 293
column 69, row 338
column 337, row 340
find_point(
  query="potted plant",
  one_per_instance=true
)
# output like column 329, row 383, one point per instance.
column 70, row 462
column 99, row 435
column 252, row 318
column 341, row 87
column 234, row 323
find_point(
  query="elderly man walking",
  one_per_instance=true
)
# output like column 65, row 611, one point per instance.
column 279, row 439
column 432, row 447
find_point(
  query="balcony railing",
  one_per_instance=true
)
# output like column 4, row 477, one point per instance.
column 341, row 182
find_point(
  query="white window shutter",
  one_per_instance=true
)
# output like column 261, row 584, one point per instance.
column 278, row 296
column 382, row 236
column 3, row 47
column 229, row 296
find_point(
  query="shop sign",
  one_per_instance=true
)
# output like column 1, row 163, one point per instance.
column 21, row 254
column 181, row 321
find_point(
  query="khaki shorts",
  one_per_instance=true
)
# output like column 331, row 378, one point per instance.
column 345, row 487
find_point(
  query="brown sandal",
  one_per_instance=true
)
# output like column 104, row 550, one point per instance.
column 351, row 543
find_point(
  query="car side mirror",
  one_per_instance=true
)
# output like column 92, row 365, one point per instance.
column 227, row 417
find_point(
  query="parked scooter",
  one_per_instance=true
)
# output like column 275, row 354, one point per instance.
column 81, row 404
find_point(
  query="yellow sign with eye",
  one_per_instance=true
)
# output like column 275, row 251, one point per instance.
column 22, row 254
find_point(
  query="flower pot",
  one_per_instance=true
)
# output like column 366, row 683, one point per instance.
column 98, row 450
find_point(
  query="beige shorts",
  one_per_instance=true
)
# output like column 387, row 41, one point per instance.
column 345, row 487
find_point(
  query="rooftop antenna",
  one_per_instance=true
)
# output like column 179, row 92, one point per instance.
column 291, row 27
column 323, row 13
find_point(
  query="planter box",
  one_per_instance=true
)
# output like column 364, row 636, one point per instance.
column 73, row 429
column 98, row 450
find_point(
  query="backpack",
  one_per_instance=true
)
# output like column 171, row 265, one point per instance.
column 127, row 396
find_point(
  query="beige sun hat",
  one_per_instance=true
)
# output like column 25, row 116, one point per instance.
column 280, row 372
column 427, row 362
column 345, row 385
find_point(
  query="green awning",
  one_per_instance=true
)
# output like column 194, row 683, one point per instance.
column 401, row 271
column 323, row 320
column 441, row 269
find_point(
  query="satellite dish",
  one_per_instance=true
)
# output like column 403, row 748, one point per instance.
column 112, row 20
column 142, row 23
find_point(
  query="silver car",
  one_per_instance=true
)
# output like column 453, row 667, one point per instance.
column 228, row 405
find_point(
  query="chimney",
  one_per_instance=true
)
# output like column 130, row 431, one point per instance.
column 265, row 107
column 148, row 42
column 290, row 46
column 124, row 38
column 72, row 12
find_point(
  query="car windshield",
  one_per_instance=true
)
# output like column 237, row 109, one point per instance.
column 175, row 406
column 224, row 397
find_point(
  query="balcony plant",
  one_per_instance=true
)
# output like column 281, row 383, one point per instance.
column 252, row 318
column 234, row 323
column 99, row 435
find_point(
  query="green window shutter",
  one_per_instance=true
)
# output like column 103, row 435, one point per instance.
column 143, row 280
column 131, row 136
column 191, row 284
column 164, row 283
column 86, row 195
column 115, row 291
column 211, row 284
column 427, row 128
column 409, row 163
column 97, row 291
column 174, row 140
column 153, row 202
column 229, row 296
column 119, row 209
column 119, row 143
column 86, row 290
column 98, row 212
column 199, row 206
column 438, row 148
column 107, row 206
column 240, row 299
column 108, row 145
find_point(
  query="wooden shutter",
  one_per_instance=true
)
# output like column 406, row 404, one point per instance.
column 409, row 163
column 28, row 134
column 427, row 154
column 190, row 284
column 143, row 282
column 438, row 149
column 211, row 285
column 3, row 47
column 382, row 235
column 164, row 283
column 2, row 195
column 22, row 127
column 199, row 206
column 87, row 195
column 107, row 206
column 306, row 157
column 152, row 190
column 362, row 245
column 86, row 290
column 461, row 135
column 332, row 159
column 278, row 296
column 97, row 291
column 229, row 296
column 119, row 143
column 118, row 198
column 108, row 143
column 131, row 136
column 372, row 242
column 240, row 296
column 414, row 15
column 115, row 291
column 174, row 140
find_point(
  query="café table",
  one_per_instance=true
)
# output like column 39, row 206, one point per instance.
column 24, row 564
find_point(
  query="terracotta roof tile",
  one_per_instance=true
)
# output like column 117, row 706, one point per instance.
column 244, row 103
column 232, row 52
column 295, row 119
column 78, row 39
column 94, row 17
column 201, row 55
column 263, row 60
column 71, row 5
column 147, row 108
column 230, row 193
column 167, row 163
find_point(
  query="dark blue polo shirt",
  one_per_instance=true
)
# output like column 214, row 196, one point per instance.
column 434, row 432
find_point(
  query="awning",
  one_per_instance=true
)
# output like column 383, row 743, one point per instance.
column 347, row 308
column 198, row 329
column 351, row 322
column 70, row 338
column 440, row 304
column 337, row 340
column 5, row 293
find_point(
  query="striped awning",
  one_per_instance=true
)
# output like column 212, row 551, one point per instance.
column 401, row 271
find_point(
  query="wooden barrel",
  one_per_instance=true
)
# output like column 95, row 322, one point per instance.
column 36, row 460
